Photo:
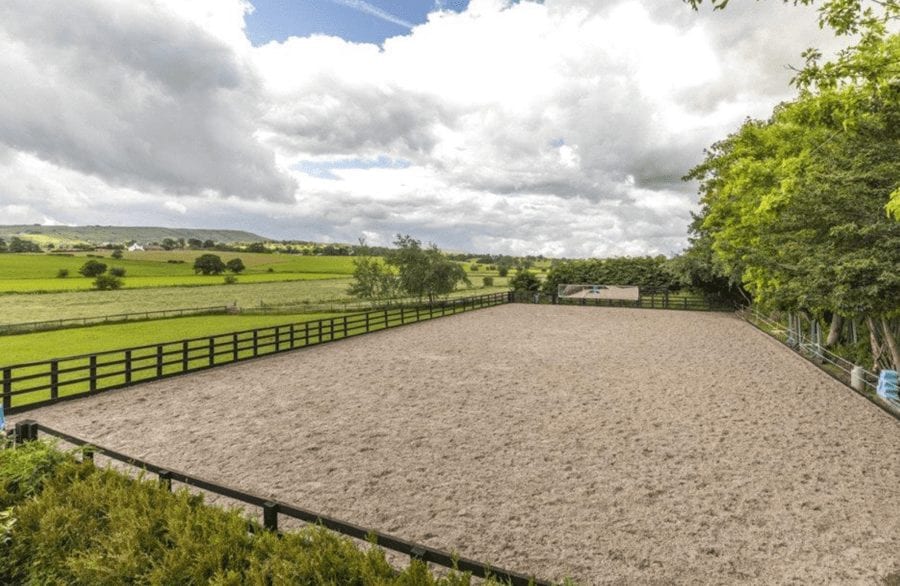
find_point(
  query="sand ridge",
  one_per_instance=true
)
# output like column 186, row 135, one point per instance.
column 610, row 445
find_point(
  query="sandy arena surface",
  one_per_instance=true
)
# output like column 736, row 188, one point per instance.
column 610, row 445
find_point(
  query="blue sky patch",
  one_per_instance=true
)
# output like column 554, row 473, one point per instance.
column 360, row 21
column 324, row 169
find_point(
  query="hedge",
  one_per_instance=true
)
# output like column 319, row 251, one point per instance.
column 68, row 522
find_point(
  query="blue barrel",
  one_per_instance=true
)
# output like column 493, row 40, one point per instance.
column 887, row 385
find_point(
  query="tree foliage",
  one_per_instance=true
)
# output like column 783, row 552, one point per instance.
column 794, row 206
column 209, row 264
column 235, row 265
column 647, row 272
column 408, row 269
column 525, row 280
column 92, row 268
column 107, row 283
column 424, row 272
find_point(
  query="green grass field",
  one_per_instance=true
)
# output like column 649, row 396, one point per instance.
column 27, row 273
column 36, row 307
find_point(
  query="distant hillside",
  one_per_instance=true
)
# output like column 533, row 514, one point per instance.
column 121, row 234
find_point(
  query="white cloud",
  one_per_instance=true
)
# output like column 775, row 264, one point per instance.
column 559, row 127
column 176, row 207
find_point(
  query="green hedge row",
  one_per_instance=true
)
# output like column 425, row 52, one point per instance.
column 66, row 522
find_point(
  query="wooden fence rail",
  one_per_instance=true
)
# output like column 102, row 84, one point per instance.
column 34, row 384
column 28, row 430
column 57, row 324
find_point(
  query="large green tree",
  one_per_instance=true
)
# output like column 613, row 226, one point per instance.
column 424, row 272
column 795, row 205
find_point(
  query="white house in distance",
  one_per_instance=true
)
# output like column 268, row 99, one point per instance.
column 134, row 247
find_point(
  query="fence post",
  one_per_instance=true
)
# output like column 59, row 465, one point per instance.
column 291, row 335
column 270, row 516
column 234, row 347
column 7, row 389
column 367, row 322
column 184, row 356
column 255, row 342
column 165, row 479
column 385, row 318
column 54, row 379
column 319, row 338
column 26, row 431
column 127, row 367
column 331, row 332
column 345, row 326
column 159, row 360
column 212, row 351
column 306, row 334
column 402, row 315
column 93, row 373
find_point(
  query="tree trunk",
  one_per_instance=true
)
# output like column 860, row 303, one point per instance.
column 873, row 341
column 891, row 343
column 834, row 332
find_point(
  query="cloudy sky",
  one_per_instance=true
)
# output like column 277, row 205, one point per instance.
column 559, row 127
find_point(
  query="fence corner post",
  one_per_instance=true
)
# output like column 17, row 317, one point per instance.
column 270, row 516
column 26, row 431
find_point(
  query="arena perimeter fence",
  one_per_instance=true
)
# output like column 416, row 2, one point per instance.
column 28, row 431
column 646, row 300
column 36, row 384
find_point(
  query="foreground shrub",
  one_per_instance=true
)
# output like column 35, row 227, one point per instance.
column 24, row 470
column 77, row 524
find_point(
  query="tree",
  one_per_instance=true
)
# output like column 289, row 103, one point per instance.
column 17, row 244
column 107, row 282
column 372, row 278
column 794, row 206
column 209, row 244
column 525, row 280
column 424, row 272
column 117, row 272
column 3, row 246
column 92, row 268
column 117, row 254
column 844, row 17
column 195, row 243
column 209, row 264
column 235, row 265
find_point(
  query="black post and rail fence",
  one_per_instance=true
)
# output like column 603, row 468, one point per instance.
column 34, row 384
column 271, row 510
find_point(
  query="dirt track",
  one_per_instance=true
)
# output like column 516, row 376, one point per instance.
column 610, row 445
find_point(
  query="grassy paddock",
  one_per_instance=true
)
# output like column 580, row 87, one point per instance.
column 25, row 308
column 28, row 273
